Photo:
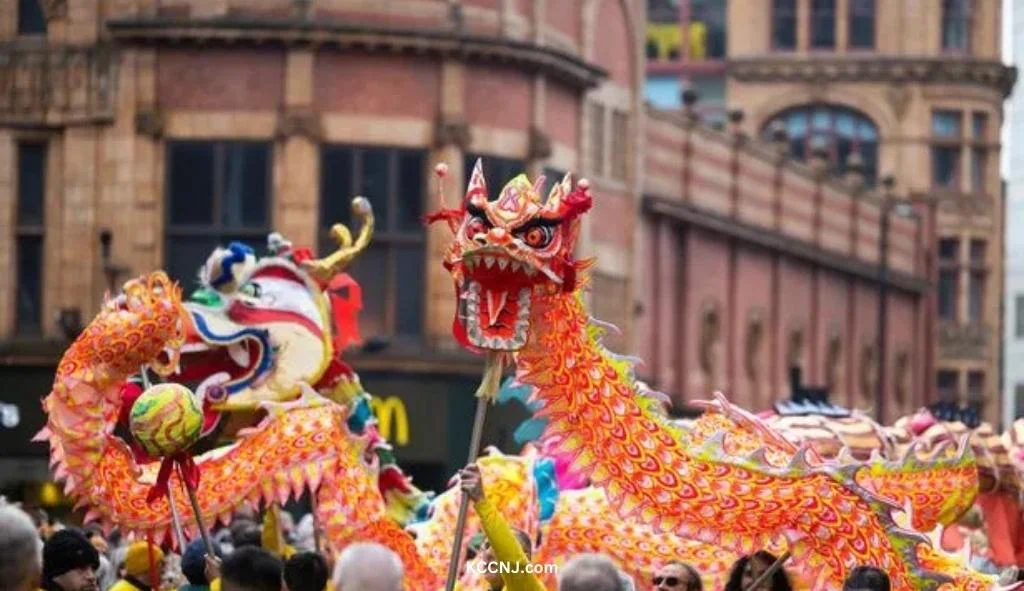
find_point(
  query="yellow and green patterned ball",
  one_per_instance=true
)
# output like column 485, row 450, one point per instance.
column 166, row 419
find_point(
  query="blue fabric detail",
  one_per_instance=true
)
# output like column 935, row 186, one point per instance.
column 238, row 253
column 361, row 415
column 532, row 428
column 547, row 487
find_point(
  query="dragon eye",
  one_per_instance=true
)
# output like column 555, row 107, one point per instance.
column 252, row 290
column 538, row 236
column 476, row 226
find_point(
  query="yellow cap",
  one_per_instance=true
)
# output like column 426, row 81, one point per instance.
column 136, row 560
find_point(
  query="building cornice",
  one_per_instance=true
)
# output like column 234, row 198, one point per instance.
column 772, row 241
column 560, row 65
column 875, row 68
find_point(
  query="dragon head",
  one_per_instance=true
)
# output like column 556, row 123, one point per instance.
column 508, row 249
column 260, row 327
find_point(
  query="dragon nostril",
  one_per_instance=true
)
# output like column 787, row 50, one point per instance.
column 480, row 239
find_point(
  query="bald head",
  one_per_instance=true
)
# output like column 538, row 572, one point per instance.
column 590, row 572
column 20, row 550
column 368, row 567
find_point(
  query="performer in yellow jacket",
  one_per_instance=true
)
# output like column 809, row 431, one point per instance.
column 504, row 545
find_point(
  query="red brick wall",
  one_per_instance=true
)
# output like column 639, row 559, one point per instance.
column 612, row 44
column 833, row 315
column 706, row 281
column 220, row 79
column 752, row 291
column 794, row 306
column 613, row 218
column 565, row 16
column 562, row 122
column 498, row 97
column 376, row 84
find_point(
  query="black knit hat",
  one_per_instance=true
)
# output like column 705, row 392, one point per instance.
column 67, row 550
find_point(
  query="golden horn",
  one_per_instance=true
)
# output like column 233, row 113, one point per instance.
column 329, row 266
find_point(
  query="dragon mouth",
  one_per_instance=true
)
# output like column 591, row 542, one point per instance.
column 494, row 300
column 240, row 360
column 240, row 357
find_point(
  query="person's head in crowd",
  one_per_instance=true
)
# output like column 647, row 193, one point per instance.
column 867, row 578
column 750, row 568
column 306, row 571
column 368, row 567
column 590, row 572
column 676, row 576
column 70, row 562
column 138, row 559
column 251, row 569
column 193, row 563
column 485, row 555
column 21, row 560
column 246, row 534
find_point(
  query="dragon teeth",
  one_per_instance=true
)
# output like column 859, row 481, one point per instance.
column 488, row 262
column 502, row 263
column 516, row 266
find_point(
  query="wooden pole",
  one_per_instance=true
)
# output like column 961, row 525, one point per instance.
column 316, row 519
column 179, row 532
column 486, row 393
column 774, row 568
column 195, row 509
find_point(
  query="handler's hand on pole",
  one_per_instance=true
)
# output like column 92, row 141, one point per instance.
column 471, row 483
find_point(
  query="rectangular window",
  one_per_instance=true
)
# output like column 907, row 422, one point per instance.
column 949, row 273
column 946, row 125
column 945, row 167
column 979, row 164
column 597, row 139
column 1018, row 310
column 979, row 126
column 784, row 24
column 1018, row 403
column 975, row 386
column 946, row 385
column 976, row 297
column 218, row 192
column 978, row 251
column 707, row 29
column 823, row 24
column 31, row 192
column 391, row 272
column 497, row 171
column 862, row 24
column 956, row 25
column 31, row 20
column 620, row 152
column 949, row 250
column 976, row 282
column 948, row 289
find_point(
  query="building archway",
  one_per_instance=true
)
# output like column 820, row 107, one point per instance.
column 842, row 132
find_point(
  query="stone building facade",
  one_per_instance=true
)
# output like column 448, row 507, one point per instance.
column 140, row 134
column 914, row 89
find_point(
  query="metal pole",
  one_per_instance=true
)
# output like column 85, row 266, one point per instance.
column 883, row 320
column 179, row 531
column 775, row 567
column 486, row 393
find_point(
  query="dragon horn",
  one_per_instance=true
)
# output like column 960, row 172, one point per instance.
column 326, row 268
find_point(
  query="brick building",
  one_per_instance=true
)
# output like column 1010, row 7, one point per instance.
column 140, row 134
column 911, row 88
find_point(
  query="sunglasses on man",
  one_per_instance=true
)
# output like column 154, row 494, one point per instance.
column 669, row 581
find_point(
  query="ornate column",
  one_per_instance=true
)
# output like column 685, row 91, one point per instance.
column 297, row 157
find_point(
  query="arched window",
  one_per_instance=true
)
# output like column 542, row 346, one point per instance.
column 838, row 130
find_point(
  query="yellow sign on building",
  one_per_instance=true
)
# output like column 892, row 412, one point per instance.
column 390, row 412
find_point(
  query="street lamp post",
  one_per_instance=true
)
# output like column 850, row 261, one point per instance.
column 904, row 209
column 883, row 295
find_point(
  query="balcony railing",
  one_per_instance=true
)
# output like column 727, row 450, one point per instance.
column 55, row 86
column 964, row 341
